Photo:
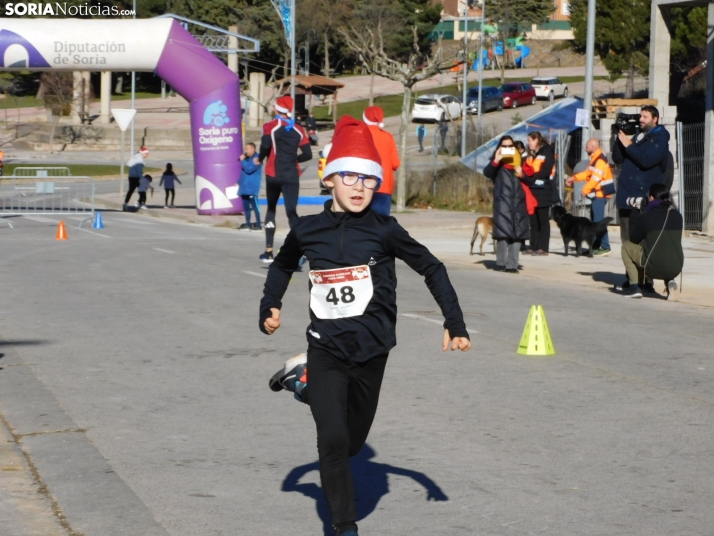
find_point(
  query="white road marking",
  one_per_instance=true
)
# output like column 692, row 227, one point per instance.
column 40, row 219
column 432, row 320
column 133, row 222
column 91, row 232
column 165, row 251
column 255, row 273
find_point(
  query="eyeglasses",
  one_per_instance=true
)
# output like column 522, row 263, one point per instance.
column 368, row 181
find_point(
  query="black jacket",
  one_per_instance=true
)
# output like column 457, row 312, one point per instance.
column 510, row 215
column 543, row 194
column 661, row 225
column 338, row 239
column 641, row 164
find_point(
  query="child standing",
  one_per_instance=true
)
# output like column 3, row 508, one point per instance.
column 144, row 184
column 352, row 252
column 167, row 179
column 249, row 187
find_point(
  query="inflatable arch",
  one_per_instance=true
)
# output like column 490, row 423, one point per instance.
column 158, row 45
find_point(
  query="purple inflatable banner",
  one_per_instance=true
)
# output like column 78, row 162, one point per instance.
column 214, row 103
column 161, row 45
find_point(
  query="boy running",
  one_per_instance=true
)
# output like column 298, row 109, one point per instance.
column 353, row 310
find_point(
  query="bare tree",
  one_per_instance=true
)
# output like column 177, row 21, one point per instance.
column 58, row 97
column 368, row 45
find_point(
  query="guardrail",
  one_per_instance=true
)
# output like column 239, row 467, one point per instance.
column 46, row 191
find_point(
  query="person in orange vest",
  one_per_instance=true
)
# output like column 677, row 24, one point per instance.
column 387, row 149
column 598, row 188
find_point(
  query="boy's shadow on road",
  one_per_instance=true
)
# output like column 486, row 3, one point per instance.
column 371, row 484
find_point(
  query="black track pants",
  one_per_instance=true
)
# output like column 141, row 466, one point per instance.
column 343, row 397
column 273, row 188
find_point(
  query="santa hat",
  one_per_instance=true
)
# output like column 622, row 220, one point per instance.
column 353, row 150
column 144, row 150
column 284, row 105
column 374, row 115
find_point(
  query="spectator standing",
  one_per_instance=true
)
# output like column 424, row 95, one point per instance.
column 136, row 171
column 421, row 134
column 655, row 246
column 249, row 187
column 510, row 215
column 311, row 126
column 144, row 185
column 538, row 173
column 167, row 179
column 443, row 131
column 283, row 146
column 641, row 160
column 389, row 156
column 598, row 188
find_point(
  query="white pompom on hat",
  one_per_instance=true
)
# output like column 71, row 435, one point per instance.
column 284, row 105
column 353, row 150
column 374, row 115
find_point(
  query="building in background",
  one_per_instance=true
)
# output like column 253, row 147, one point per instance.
column 558, row 28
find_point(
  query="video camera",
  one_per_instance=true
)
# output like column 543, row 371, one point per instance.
column 627, row 123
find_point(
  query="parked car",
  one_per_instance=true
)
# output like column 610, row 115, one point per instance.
column 518, row 93
column 436, row 108
column 491, row 99
column 547, row 85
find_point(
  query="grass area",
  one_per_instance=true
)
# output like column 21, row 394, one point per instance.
column 27, row 101
column 392, row 104
column 24, row 101
column 79, row 169
column 139, row 95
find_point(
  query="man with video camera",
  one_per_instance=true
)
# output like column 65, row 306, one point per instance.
column 643, row 160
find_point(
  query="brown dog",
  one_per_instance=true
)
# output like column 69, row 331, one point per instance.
column 484, row 227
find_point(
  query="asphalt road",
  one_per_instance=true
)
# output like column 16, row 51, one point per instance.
column 134, row 372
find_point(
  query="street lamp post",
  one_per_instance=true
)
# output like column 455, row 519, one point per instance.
column 589, row 64
column 466, row 77
column 480, row 67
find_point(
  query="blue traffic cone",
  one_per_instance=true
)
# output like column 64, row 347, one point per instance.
column 98, row 224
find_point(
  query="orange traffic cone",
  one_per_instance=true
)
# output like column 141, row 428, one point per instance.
column 61, row 232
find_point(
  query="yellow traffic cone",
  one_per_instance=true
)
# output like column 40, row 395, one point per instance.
column 536, row 335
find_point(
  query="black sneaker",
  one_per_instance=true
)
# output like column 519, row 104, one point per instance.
column 267, row 257
column 292, row 377
column 648, row 288
column 511, row 271
column 256, row 227
column 245, row 227
column 623, row 286
column 500, row 268
column 632, row 292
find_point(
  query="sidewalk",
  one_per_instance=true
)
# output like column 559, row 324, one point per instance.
column 448, row 235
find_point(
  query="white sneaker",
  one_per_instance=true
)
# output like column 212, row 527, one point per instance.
column 143, row 206
column 166, row 206
column 672, row 291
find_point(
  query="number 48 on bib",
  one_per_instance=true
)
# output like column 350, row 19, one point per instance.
column 341, row 292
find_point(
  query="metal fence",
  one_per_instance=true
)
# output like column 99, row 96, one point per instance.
column 690, row 154
column 46, row 191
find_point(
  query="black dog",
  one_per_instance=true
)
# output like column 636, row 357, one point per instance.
column 578, row 230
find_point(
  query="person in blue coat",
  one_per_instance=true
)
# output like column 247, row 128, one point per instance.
column 249, row 187
column 641, row 160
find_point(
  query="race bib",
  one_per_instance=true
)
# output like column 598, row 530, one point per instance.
column 340, row 292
